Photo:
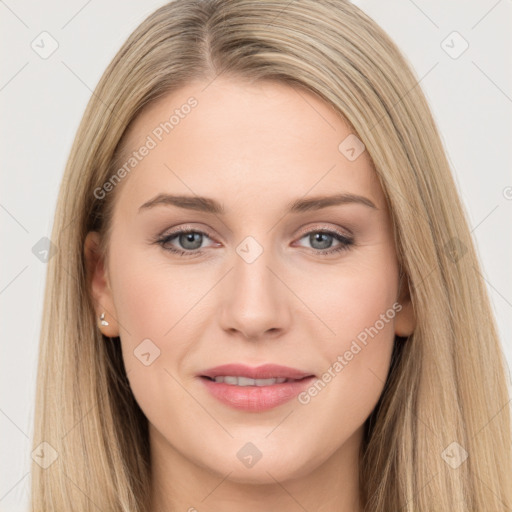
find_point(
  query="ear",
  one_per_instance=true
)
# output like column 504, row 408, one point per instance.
column 405, row 319
column 98, row 285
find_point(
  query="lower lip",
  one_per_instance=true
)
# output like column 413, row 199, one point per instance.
column 256, row 398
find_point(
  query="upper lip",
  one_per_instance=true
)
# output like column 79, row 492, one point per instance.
column 266, row 371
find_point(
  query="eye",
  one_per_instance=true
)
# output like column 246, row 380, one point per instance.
column 190, row 240
column 322, row 241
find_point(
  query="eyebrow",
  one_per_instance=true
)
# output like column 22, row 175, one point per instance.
column 208, row 205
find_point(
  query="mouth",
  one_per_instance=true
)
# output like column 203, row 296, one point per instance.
column 255, row 389
column 244, row 374
column 234, row 380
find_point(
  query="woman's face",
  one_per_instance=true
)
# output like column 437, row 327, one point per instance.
column 254, row 284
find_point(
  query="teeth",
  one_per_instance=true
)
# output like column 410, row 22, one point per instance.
column 245, row 381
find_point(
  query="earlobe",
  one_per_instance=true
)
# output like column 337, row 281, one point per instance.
column 405, row 320
column 98, row 286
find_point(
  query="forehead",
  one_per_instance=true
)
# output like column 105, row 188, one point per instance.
column 258, row 141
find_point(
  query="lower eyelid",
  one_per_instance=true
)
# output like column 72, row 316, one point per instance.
column 335, row 234
column 165, row 239
column 344, row 241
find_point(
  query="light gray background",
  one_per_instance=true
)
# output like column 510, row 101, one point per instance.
column 42, row 102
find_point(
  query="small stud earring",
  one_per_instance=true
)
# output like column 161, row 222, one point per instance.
column 102, row 319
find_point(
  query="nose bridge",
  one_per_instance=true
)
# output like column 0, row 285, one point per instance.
column 254, row 301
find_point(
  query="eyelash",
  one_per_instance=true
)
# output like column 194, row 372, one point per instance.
column 345, row 242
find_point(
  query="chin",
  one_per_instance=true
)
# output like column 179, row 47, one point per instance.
column 269, row 467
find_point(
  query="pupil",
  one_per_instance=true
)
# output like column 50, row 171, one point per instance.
column 187, row 240
column 325, row 244
column 193, row 240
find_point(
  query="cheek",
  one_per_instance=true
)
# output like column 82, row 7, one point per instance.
column 350, row 299
column 360, row 311
column 154, row 305
column 150, row 295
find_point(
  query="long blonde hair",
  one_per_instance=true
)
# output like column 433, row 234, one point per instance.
column 447, row 383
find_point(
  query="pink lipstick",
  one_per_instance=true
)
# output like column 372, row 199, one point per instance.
column 255, row 389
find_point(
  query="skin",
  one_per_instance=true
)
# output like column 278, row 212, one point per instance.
column 254, row 148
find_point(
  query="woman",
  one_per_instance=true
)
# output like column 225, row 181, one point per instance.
column 266, row 295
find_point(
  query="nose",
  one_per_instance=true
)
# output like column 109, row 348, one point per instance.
column 255, row 302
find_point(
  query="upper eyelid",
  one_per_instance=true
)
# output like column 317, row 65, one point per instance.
column 302, row 234
column 337, row 231
column 180, row 230
column 344, row 231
